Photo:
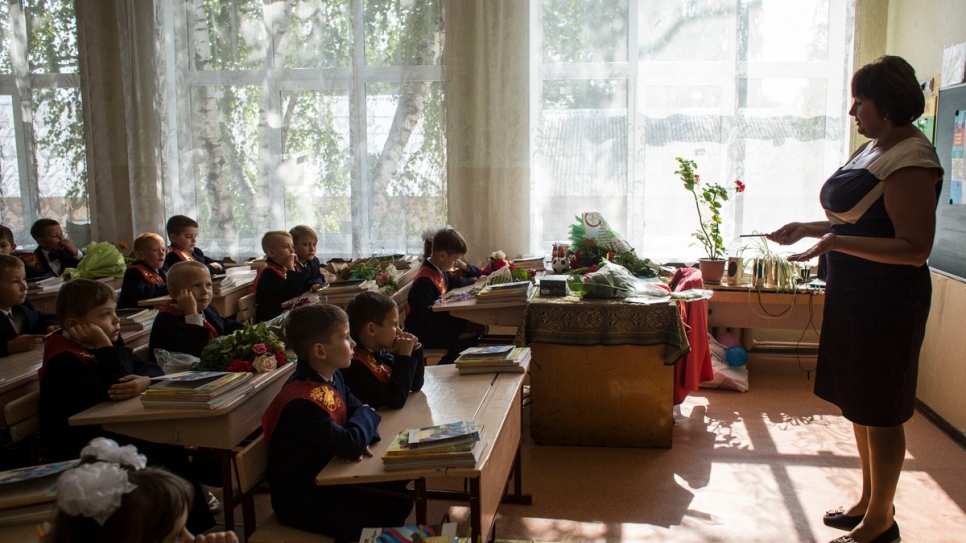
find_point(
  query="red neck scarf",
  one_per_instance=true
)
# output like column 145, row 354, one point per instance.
column 271, row 265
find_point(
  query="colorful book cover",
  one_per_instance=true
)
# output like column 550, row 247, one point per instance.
column 496, row 351
column 444, row 435
column 440, row 533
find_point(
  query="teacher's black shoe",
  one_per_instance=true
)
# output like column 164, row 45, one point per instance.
column 836, row 518
column 889, row 536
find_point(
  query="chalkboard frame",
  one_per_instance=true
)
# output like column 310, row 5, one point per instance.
column 949, row 246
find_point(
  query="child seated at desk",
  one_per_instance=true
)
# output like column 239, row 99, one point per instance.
column 22, row 327
column 145, row 279
column 443, row 270
column 386, row 365
column 113, row 497
column 278, row 281
column 54, row 252
column 88, row 364
column 183, row 233
column 305, row 241
column 187, row 322
column 315, row 418
column 7, row 245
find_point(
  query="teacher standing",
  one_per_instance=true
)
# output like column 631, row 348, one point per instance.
column 881, row 209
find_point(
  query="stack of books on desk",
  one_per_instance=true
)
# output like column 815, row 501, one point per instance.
column 136, row 319
column 197, row 389
column 354, row 286
column 448, row 445
column 535, row 263
column 29, row 495
column 221, row 282
column 493, row 359
column 45, row 285
column 520, row 291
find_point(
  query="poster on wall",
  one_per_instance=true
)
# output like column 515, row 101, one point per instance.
column 958, row 172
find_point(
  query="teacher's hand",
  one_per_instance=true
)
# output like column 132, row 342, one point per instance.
column 823, row 246
column 788, row 234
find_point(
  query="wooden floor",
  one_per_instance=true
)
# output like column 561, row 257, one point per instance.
column 762, row 466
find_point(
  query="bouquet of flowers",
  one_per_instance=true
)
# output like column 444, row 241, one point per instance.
column 386, row 280
column 590, row 252
column 498, row 260
column 256, row 349
column 101, row 259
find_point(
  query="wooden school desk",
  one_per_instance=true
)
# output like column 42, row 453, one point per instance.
column 218, row 429
column 226, row 301
column 47, row 301
column 493, row 400
column 18, row 372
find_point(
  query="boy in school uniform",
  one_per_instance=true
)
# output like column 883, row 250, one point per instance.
column 314, row 418
column 88, row 364
column 7, row 246
column 186, row 322
column 22, row 327
column 183, row 233
column 386, row 364
column 144, row 279
column 54, row 253
column 279, row 280
column 305, row 241
column 443, row 269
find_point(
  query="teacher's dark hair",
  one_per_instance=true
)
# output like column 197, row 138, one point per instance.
column 890, row 83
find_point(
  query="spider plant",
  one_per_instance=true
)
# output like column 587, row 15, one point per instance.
column 779, row 273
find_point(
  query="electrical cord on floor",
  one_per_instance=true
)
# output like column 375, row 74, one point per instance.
column 813, row 291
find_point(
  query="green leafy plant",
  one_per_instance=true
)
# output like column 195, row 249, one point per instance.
column 779, row 273
column 709, row 197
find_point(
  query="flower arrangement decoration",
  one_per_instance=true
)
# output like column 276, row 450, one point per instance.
column 498, row 260
column 256, row 349
column 709, row 196
column 298, row 301
column 587, row 255
column 386, row 280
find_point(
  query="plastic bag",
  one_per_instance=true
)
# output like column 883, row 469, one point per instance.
column 101, row 259
column 174, row 362
column 725, row 376
column 615, row 281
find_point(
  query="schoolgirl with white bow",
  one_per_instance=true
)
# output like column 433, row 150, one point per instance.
column 112, row 497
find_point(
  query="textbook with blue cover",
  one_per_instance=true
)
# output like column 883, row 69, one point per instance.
column 464, row 431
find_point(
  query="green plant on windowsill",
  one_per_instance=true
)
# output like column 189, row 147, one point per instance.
column 707, row 196
column 779, row 273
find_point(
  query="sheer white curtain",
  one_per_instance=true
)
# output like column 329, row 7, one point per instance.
column 754, row 90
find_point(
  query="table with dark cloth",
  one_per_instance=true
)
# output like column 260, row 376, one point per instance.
column 602, row 370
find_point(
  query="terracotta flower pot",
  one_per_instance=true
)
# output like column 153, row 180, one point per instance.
column 712, row 270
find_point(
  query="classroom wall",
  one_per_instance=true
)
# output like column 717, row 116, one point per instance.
column 919, row 30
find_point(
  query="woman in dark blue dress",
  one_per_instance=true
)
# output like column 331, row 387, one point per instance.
column 881, row 209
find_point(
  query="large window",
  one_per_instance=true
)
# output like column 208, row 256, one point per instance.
column 749, row 89
column 43, row 171
column 320, row 112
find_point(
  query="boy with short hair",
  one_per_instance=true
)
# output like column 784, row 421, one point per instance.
column 183, row 233
column 22, row 327
column 186, row 322
column 7, row 246
column 305, row 241
column 278, row 281
column 386, row 363
column 54, row 252
column 443, row 269
column 314, row 418
column 144, row 279
column 85, row 365
column 88, row 364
